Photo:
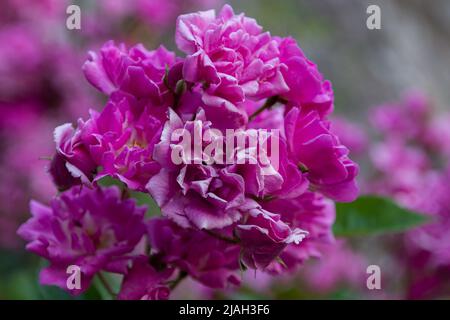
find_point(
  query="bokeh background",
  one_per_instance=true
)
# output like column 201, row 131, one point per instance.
column 408, row 60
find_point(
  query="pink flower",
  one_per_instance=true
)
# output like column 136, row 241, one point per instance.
column 438, row 134
column 407, row 118
column 92, row 229
column 136, row 71
column 199, row 196
column 21, row 60
column 310, row 212
column 121, row 139
column 409, row 168
column 307, row 89
column 402, row 172
column 264, row 236
column 61, row 176
column 231, row 55
column 350, row 134
column 339, row 265
column 158, row 14
column 268, row 177
column 192, row 193
column 209, row 260
column 73, row 161
column 319, row 153
column 195, row 194
column 143, row 282
column 288, row 181
column 23, row 139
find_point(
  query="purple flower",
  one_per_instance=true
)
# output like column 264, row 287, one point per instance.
column 351, row 135
column 191, row 193
column 407, row 118
column 264, row 236
column 198, row 196
column 92, row 229
column 136, row 71
column 310, row 212
column 21, row 60
column 318, row 153
column 287, row 180
column 231, row 55
column 61, row 176
column 194, row 193
column 121, row 139
column 438, row 135
column 73, row 159
column 409, row 161
column 307, row 89
column 210, row 260
column 143, row 282
column 339, row 265
column 267, row 176
column 24, row 138
column 402, row 171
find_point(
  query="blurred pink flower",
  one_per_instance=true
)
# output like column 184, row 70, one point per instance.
column 408, row 163
column 339, row 265
column 351, row 135
column 92, row 229
column 143, row 282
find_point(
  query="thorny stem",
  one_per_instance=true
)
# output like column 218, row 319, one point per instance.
column 106, row 285
column 221, row 237
column 268, row 104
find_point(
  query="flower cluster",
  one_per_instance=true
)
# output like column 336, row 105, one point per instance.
column 217, row 218
column 413, row 153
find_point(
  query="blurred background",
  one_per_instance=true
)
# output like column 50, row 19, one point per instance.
column 385, row 82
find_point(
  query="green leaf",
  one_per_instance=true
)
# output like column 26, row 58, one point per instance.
column 108, row 181
column 142, row 198
column 370, row 215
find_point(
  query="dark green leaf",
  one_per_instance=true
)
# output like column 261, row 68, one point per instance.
column 109, row 181
column 370, row 215
column 144, row 199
